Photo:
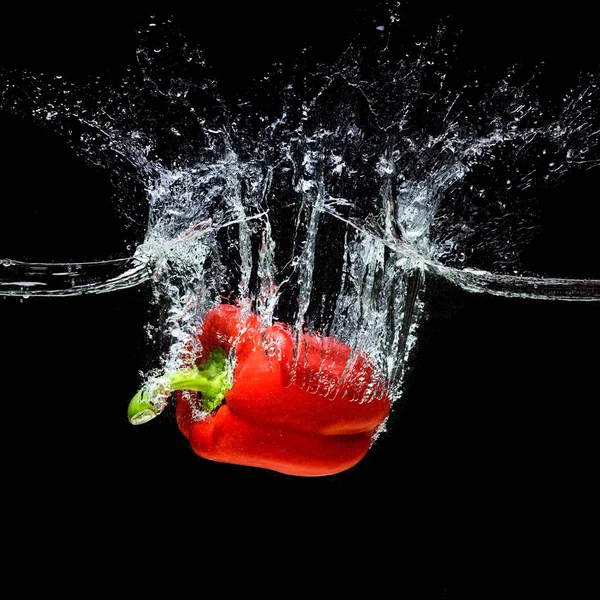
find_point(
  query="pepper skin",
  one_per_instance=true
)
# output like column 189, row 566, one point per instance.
column 312, row 412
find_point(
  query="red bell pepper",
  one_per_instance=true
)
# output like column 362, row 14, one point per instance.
column 255, row 396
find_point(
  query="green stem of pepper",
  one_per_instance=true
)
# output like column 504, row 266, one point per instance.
column 211, row 379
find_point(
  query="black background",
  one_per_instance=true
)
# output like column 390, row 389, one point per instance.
column 485, row 475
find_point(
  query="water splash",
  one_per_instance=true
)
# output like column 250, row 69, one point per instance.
column 67, row 279
column 322, row 200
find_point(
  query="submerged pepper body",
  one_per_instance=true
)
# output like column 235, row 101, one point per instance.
column 301, row 405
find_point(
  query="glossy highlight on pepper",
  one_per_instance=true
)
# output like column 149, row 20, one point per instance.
column 263, row 397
